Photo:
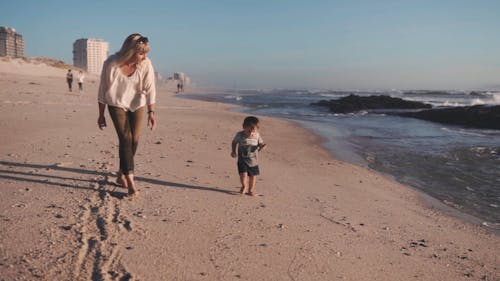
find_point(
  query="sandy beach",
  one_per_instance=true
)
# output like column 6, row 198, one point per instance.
column 63, row 218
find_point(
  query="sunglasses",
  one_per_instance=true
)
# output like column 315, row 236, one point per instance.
column 142, row 40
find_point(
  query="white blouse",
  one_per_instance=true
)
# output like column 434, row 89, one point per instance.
column 127, row 92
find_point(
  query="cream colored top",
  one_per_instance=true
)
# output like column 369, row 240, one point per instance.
column 128, row 92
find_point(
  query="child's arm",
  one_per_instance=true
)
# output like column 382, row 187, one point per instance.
column 233, row 148
column 262, row 146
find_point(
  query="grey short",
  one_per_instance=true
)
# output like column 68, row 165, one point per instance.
column 251, row 171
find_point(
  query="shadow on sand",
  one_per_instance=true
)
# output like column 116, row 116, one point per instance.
column 97, row 183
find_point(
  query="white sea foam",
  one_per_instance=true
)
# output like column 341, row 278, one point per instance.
column 496, row 97
column 232, row 97
column 449, row 103
column 490, row 98
column 463, row 132
column 477, row 102
column 492, row 225
column 330, row 95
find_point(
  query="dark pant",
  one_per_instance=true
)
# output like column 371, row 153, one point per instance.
column 128, row 126
column 70, row 83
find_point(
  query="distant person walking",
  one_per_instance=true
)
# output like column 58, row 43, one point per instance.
column 127, row 87
column 178, row 87
column 81, row 76
column 69, row 79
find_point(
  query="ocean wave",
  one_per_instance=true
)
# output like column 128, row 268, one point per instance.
column 451, row 103
column 489, row 98
column 492, row 225
column 431, row 93
column 483, row 150
column 233, row 97
column 496, row 97
column 477, row 102
column 463, row 132
column 330, row 95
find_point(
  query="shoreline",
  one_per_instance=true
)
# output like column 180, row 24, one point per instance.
column 427, row 199
column 62, row 216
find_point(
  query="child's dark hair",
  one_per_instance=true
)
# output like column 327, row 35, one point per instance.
column 251, row 121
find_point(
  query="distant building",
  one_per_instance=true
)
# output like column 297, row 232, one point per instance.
column 90, row 54
column 11, row 43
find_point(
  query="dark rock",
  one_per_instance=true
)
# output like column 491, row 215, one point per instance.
column 66, row 227
column 354, row 103
column 478, row 116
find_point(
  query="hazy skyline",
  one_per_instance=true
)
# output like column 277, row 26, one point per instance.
column 393, row 44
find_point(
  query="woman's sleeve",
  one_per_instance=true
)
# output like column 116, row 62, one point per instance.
column 149, row 87
column 104, row 83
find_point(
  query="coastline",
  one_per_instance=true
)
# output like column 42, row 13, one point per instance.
column 317, row 219
column 343, row 154
column 426, row 199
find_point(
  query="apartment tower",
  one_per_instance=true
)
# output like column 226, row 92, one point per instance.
column 11, row 43
column 90, row 54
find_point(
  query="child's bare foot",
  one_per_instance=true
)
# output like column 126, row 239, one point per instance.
column 242, row 190
column 251, row 193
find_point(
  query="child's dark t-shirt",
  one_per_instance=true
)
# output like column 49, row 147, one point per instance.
column 248, row 147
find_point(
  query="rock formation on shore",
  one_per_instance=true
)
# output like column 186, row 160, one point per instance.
column 478, row 116
column 354, row 103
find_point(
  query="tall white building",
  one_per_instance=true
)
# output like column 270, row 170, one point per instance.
column 90, row 54
column 11, row 43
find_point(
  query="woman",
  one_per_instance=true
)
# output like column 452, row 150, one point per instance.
column 127, row 87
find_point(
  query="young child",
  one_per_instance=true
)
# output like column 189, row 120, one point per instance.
column 249, row 143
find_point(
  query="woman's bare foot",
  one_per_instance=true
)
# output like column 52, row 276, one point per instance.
column 132, row 189
column 121, row 180
column 251, row 193
column 242, row 190
column 132, row 194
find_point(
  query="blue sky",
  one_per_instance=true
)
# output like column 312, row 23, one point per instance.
column 384, row 44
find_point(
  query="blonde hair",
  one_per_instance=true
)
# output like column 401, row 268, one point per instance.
column 133, row 44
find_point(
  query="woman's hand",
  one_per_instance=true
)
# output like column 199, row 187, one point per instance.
column 151, row 120
column 101, row 121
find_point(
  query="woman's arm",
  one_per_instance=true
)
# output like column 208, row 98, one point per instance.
column 103, row 87
column 149, row 89
column 148, row 83
column 151, row 117
column 101, row 120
